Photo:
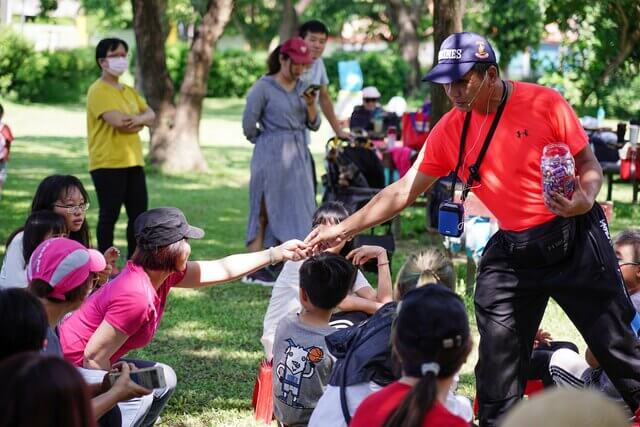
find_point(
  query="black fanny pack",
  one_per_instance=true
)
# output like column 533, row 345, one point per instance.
column 544, row 245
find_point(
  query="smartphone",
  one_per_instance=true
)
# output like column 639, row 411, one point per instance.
column 311, row 89
column 146, row 377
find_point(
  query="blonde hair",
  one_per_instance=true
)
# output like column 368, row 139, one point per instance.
column 567, row 407
column 427, row 267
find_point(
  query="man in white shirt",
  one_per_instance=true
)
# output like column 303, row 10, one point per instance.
column 315, row 34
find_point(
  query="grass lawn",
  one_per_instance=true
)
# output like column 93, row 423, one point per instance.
column 209, row 336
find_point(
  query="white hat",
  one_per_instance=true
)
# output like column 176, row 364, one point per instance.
column 370, row 92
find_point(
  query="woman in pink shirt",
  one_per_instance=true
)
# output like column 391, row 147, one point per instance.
column 125, row 313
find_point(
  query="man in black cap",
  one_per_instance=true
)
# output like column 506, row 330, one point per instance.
column 549, row 244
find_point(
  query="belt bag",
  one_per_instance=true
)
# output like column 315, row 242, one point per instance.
column 544, row 250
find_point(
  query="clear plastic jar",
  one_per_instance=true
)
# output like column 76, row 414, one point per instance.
column 558, row 170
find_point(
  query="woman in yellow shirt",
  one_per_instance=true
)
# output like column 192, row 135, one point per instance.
column 116, row 113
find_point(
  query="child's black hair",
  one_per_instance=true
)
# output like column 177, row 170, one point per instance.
column 38, row 225
column 327, row 278
column 313, row 26
column 336, row 212
column 108, row 45
column 24, row 322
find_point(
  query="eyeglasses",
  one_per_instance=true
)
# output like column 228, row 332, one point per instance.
column 74, row 209
column 370, row 99
column 622, row 262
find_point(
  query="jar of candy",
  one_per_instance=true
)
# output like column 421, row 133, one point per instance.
column 558, row 170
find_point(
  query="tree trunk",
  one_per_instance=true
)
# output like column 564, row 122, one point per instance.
column 447, row 19
column 175, row 144
column 151, row 63
column 405, row 19
column 184, row 153
column 289, row 23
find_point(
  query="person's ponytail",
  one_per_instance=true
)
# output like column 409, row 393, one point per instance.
column 273, row 62
column 416, row 404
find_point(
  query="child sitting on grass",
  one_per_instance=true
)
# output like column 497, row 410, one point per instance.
column 362, row 297
column 6, row 137
column 301, row 362
column 431, row 340
column 364, row 361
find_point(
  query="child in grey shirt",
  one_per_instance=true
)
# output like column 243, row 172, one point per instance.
column 301, row 363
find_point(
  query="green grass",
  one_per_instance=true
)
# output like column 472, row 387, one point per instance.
column 210, row 336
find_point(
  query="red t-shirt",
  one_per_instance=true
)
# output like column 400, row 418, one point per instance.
column 510, row 179
column 375, row 409
column 129, row 303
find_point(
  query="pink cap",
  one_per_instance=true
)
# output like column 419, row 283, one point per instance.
column 64, row 264
column 296, row 49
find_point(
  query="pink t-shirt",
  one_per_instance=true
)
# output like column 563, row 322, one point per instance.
column 129, row 303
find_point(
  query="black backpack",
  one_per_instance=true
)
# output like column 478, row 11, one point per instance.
column 363, row 354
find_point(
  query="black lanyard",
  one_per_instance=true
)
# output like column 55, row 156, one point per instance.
column 474, row 174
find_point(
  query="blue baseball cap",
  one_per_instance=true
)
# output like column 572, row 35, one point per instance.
column 458, row 54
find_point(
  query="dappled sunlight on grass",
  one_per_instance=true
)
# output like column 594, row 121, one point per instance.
column 211, row 336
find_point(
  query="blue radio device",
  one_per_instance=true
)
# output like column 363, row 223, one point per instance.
column 451, row 219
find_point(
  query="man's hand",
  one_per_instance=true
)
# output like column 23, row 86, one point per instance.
column 579, row 204
column 324, row 237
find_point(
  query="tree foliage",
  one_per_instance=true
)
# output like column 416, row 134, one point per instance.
column 513, row 26
column 603, row 45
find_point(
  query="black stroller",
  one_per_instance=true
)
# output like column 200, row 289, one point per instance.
column 354, row 175
column 354, row 172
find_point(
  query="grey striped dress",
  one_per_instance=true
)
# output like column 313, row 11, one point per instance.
column 275, row 121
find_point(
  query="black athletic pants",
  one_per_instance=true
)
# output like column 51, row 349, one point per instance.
column 572, row 261
column 115, row 187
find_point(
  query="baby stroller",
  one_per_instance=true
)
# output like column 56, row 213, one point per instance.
column 354, row 172
column 354, row 175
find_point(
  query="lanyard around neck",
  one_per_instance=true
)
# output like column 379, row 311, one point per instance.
column 474, row 169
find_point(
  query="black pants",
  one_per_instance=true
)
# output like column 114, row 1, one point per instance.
column 572, row 261
column 115, row 187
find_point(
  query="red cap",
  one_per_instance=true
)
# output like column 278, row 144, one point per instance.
column 296, row 49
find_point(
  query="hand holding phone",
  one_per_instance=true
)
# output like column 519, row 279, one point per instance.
column 148, row 378
column 312, row 89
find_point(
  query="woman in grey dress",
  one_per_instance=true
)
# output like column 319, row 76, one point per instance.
column 279, row 109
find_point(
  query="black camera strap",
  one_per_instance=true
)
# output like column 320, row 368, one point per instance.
column 474, row 169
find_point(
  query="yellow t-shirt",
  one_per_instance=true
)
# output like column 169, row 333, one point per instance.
column 108, row 147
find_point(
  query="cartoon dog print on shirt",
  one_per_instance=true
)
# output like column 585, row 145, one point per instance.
column 299, row 363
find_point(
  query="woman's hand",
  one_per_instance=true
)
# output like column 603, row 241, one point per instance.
column 133, row 122
column 309, row 97
column 292, row 250
column 124, row 387
column 364, row 253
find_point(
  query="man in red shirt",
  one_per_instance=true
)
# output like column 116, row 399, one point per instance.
column 547, row 246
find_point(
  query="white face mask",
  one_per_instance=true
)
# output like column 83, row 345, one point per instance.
column 117, row 65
